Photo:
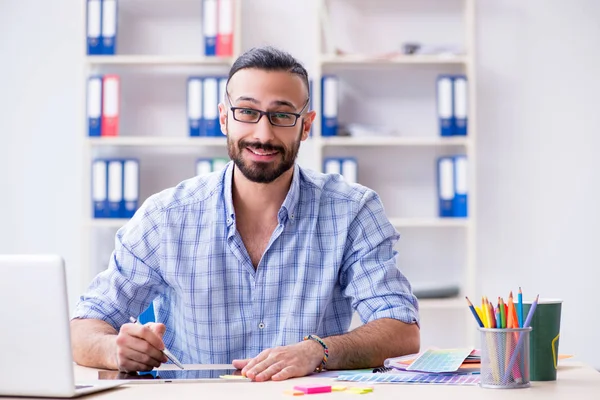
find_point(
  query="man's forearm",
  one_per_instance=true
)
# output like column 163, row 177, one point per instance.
column 369, row 345
column 94, row 343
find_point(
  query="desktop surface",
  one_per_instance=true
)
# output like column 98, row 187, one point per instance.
column 575, row 380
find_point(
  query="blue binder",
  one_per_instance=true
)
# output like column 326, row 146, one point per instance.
column 445, row 186
column 210, row 19
column 94, row 105
column 100, row 188
column 329, row 105
column 460, row 204
column 445, row 107
column 94, row 27
column 460, row 105
column 115, row 188
column 210, row 100
column 131, row 185
column 109, row 26
column 194, row 105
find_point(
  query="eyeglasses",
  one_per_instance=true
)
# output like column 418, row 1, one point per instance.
column 276, row 118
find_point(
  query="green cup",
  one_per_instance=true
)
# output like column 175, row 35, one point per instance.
column 543, row 346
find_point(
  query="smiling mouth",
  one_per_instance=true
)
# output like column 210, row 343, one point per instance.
column 262, row 153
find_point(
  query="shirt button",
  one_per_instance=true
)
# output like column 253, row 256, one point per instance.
column 261, row 325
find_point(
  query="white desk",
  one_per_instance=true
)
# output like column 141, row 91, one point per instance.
column 575, row 381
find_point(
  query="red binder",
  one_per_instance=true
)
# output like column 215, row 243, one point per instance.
column 110, row 105
column 225, row 29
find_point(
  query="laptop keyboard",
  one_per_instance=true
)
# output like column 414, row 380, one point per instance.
column 82, row 386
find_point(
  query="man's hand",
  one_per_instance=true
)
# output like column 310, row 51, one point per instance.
column 139, row 348
column 281, row 363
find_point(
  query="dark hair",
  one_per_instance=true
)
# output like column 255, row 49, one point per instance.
column 269, row 59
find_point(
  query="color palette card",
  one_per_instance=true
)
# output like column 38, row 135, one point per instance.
column 414, row 378
column 439, row 360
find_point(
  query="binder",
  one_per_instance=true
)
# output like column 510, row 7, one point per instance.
column 225, row 29
column 444, row 105
column 329, row 100
column 109, row 26
column 349, row 167
column 110, row 105
column 210, row 22
column 203, row 166
column 115, row 188
column 94, row 105
column 460, row 105
column 460, row 203
column 445, row 184
column 131, row 187
column 100, row 188
column 94, row 26
column 219, row 163
column 211, row 107
column 194, row 105
column 332, row 166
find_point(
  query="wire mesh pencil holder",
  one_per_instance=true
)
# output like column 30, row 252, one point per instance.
column 504, row 358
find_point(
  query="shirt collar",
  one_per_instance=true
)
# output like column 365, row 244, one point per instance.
column 288, row 208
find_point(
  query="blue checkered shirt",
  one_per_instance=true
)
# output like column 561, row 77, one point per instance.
column 331, row 254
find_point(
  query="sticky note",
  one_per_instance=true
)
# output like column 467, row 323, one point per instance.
column 311, row 389
column 294, row 392
column 338, row 388
column 360, row 389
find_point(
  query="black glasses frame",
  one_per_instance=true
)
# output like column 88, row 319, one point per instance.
column 268, row 114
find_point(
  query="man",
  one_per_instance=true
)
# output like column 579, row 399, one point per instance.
column 247, row 263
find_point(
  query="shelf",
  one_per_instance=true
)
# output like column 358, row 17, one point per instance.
column 150, row 141
column 158, row 60
column 395, row 141
column 358, row 59
column 451, row 303
column 430, row 222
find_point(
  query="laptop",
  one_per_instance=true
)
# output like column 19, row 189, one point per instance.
column 35, row 335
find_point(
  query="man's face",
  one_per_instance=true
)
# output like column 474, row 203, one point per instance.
column 261, row 151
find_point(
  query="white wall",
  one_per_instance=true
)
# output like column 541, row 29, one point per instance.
column 40, row 101
column 538, row 188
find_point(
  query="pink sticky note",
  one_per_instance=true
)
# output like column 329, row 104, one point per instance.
column 312, row 389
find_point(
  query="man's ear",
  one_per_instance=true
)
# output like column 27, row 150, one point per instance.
column 223, row 118
column 307, row 122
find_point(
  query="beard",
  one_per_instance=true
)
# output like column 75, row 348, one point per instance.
column 263, row 172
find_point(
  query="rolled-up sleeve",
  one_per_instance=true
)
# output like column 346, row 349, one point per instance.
column 132, row 279
column 369, row 274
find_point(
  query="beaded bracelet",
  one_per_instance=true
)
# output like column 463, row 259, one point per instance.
column 325, row 351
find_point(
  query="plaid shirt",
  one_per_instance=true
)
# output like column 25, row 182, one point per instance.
column 331, row 253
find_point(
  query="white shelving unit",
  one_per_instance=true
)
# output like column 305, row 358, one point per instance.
column 407, row 183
